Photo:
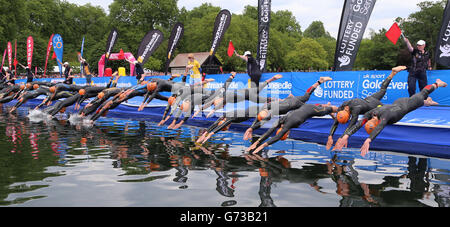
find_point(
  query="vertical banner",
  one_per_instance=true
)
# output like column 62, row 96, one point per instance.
column 49, row 48
column 15, row 58
column 30, row 47
column 10, row 55
column 221, row 25
column 81, row 55
column 58, row 49
column 3, row 60
column 175, row 37
column 264, row 7
column 442, row 51
column 151, row 41
column 112, row 39
column 354, row 20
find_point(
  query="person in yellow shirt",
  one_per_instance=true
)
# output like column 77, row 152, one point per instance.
column 193, row 68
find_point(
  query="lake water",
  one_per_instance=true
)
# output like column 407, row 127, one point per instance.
column 137, row 164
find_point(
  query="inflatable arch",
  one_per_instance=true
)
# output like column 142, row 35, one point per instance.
column 115, row 57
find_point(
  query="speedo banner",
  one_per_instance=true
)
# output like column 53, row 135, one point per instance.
column 112, row 39
column 49, row 48
column 58, row 48
column 174, row 39
column 442, row 52
column 10, row 55
column 151, row 41
column 354, row 20
column 221, row 25
column 264, row 7
column 30, row 46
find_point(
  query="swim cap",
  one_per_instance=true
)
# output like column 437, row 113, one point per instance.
column 263, row 172
column 171, row 100
column 52, row 89
column 371, row 125
column 151, row 86
column 36, row 86
column 22, row 87
column 343, row 117
column 285, row 135
column 29, row 86
column 100, row 95
column 226, row 128
column 82, row 92
column 263, row 115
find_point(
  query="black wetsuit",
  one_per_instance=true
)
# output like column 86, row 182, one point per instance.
column 42, row 90
column 235, row 116
column 30, row 75
column 281, row 107
column 96, row 103
column 90, row 93
column 164, row 86
column 138, row 90
column 391, row 114
column 8, row 94
column 294, row 119
column 197, row 98
column 362, row 106
column 69, row 101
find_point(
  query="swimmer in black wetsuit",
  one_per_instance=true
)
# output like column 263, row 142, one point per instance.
column 32, row 94
column 138, row 90
column 292, row 120
column 281, row 107
column 184, row 93
column 355, row 107
column 87, row 93
column 224, row 122
column 378, row 118
column 8, row 94
column 101, row 98
column 215, row 94
column 197, row 99
column 158, row 85
column 236, row 96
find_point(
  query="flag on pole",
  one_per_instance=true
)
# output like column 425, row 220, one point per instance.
column 394, row 33
column 231, row 49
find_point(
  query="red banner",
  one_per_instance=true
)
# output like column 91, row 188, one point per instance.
column 15, row 59
column 49, row 48
column 30, row 46
column 3, row 61
column 10, row 55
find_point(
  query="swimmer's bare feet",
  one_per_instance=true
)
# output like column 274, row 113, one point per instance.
column 430, row 102
column 441, row 83
column 325, row 79
column 398, row 69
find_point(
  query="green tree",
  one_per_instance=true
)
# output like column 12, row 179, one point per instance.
column 316, row 30
column 308, row 54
